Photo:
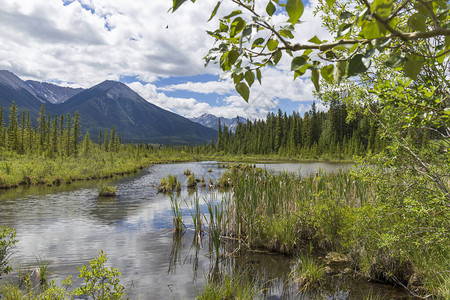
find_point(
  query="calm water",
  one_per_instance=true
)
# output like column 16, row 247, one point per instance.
column 68, row 225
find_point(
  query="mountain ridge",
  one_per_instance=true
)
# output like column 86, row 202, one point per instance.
column 104, row 105
column 212, row 121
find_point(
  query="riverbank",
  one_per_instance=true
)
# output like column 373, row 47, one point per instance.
column 33, row 169
column 384, row 240
column 275, row 158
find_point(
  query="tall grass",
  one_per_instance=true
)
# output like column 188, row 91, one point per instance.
column 307, row 273
column 175, row 204
column 387, row 235
column 235, row 286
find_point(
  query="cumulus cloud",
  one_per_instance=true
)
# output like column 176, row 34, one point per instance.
column 83, row 42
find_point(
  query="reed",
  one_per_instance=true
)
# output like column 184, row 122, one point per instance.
column 236, row 286
column 175, row 204
column 216, row 217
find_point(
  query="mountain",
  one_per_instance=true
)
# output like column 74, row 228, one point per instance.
column 52, row 93
column 135, row 119
column 102, row 106
column 13, row 88
column 212, row 121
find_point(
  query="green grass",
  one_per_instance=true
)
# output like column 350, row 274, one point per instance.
column 344, row 212
column 307, row 273
column 236, row 286
column 105, row 190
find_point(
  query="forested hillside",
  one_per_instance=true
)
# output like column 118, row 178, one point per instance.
column 315, row 134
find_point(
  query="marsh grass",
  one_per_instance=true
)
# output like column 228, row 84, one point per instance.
column 42, row 270
column 169, row 185
column 105, row 190
column 9, row 291
column 236, row 286
column 191, row 182
column 177, row 212
column 308, row 273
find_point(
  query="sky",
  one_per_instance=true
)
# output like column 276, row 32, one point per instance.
column 159, row 54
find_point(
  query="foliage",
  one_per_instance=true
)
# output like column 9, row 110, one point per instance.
column 100, row 282
column 250, row 38
column 316, row 134
column 105, row 190
column 236, row 286
column 191, row 182
column 169, row 185
column 7, row 241
column 307, row 273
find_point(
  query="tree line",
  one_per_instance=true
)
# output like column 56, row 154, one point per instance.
column 50, row 136
column 317, row 133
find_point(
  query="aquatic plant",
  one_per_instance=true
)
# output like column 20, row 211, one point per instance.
column 42, row 270
column 191, row 182
column 187, row 172
column 105, row 190
column 236, row 286
column 175, row 204
column 307, row 273
column 169, row 185
column 7, row 241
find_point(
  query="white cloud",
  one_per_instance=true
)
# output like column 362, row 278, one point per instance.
column 81, row 43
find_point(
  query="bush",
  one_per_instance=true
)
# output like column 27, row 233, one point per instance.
column 7, row 241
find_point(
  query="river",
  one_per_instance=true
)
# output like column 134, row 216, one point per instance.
column 68, row 225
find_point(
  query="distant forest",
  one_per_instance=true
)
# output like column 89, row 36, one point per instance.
column 316, row 134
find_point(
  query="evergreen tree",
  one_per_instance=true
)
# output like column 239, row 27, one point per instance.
column 76, row 133
column 12, row 131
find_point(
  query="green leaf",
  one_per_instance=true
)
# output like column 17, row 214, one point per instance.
column 297, row 63
column 412, row 67
column 344, row 29
column 357, row 65
column 249, row 77
column 277, row 56
column 257, row 42
column 258, row 75
column 272, row 44
column 294, row 8
column 339, row 71
column 214, row 11
column 232, row 56
column 395, row 61
column 345, row 15
column 417, row 22
column 330, row 2
column 243, row 90
column 177, row 4
column 237, row 26
column 270, row 8
column 233, row 13
column 371, row 30
column 327, row 73
column 247, row 31
column 315, row 40
column 315, row 79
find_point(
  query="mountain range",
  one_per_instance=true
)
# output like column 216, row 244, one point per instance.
column 102, row 106
column 212, row 121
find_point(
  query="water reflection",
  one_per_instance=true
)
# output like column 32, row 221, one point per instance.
column 69, row 224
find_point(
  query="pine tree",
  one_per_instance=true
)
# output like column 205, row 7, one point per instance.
column 76, row 133
column 12, row 130
column 42, row 123
column 2, row 129
column 68, row 134
column 86, row 144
